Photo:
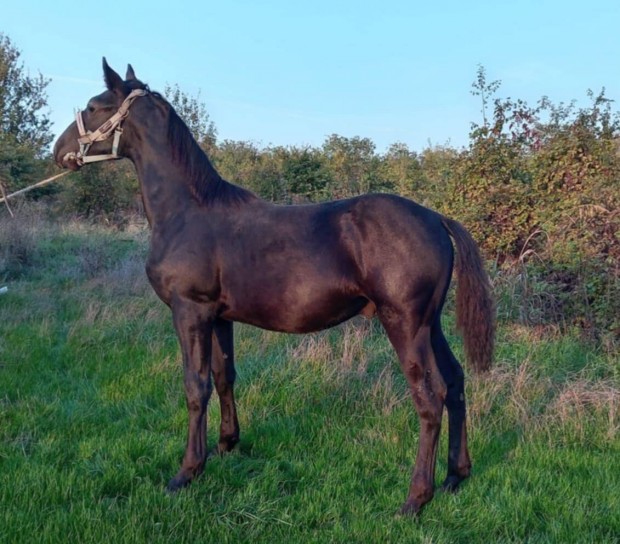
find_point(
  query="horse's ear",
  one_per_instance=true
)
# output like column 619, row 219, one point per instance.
column 112, row 80
column 130, row 73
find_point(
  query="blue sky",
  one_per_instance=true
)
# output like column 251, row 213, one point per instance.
column 291, row 73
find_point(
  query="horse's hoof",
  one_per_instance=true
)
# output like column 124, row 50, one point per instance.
column 451, row 483
column 222, row 448
column 215, row 452
column 410, row 508
column 177, row 483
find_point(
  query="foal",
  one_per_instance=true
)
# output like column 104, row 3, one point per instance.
column 220, row 254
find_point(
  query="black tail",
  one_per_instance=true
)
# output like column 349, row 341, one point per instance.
column 475, row 309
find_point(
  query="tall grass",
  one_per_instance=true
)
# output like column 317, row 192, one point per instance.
column 92, row 422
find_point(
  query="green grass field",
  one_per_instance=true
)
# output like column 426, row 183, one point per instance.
column 93, row 423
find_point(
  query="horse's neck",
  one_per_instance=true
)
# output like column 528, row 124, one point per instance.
column 164, row 180
column 164, row 192
column 175, row 177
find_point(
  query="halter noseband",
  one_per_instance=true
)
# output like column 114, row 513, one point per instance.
column 113, row 124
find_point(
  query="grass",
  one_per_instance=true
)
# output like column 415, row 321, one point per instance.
column 93, row 422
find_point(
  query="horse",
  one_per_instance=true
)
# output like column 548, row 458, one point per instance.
column 220, row 254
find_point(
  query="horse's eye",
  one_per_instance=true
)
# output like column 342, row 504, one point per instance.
column 91, row 109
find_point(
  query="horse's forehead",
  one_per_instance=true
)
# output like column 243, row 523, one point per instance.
column 106, row 97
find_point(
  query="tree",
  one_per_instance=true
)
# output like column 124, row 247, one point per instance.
column 305, row 173
column 353, row 165
column 492, row 191
column 24, row 125
column 438, row 164
column 484, row 90
column 103, row 191
column 22, row 99
column 401, row 171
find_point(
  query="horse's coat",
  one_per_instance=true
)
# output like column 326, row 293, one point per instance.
column 219, row 254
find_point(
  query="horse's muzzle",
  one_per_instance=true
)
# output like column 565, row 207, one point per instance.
column 69, row 160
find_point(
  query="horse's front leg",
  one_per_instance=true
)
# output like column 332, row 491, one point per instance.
column 194, row 325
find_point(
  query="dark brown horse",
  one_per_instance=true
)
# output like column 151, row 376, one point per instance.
column 220, row 254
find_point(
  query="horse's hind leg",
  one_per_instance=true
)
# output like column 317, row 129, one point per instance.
column 459, row 463
column 224, row 374
column 412, row 342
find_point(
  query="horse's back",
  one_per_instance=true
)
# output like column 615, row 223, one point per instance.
column 396, row 238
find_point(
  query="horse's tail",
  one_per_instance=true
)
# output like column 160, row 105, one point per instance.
column 475, row 309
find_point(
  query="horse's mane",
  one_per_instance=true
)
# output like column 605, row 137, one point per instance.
column 203, row 179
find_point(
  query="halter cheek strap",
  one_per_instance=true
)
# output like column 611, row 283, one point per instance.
column 113, row 124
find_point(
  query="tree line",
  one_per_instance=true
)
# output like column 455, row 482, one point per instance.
column 537, row 185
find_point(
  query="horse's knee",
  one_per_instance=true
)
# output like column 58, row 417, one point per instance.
column 197, row 393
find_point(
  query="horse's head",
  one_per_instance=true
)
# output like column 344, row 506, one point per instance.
column 95, row 135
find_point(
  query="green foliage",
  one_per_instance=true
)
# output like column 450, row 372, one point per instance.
column 22, row 99
column 244, row 164
column 491, row 194
column 438, row 164
column 105, row 190
column 279, row 174
column 24, row 125
column 538, row 189
column 400, row 171
column 18, row 164
column 492, row 190
column 353, row 165
column 305, row 173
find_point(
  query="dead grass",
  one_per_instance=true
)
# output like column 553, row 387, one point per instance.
column 520, row 398
column 513, row 396
column 345, row 348
column 576, row 402
column 19, row 240
column 346, row 355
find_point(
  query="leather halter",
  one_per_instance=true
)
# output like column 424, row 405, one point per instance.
column 113, row 124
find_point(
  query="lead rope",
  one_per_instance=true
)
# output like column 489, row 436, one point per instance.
column 6, row 197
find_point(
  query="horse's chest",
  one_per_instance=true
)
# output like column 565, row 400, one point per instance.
column 187, row 274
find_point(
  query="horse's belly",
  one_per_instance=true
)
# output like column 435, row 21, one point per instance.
column 298, row 316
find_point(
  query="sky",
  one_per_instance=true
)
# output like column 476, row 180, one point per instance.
column 279, row 72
